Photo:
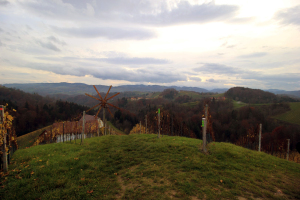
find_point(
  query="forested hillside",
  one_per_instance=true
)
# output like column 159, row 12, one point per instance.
column 254, row 96
column 225, row 122
column 34, row 111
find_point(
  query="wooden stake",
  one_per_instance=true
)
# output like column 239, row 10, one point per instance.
column 63, row 131
column 4, row 155
column 83, row 127
column 288, row 150
column 158, row 116
column 259, row 144
column 146, row 124
column 104, row 123
column 204, row 128
column 140, row 127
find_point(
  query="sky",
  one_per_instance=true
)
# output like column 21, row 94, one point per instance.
column 199, row 43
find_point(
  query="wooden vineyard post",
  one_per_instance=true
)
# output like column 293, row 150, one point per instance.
column 146, row 123
column 288, row 150
column 172, row 126
column 259, row 144
column 158, row 118
column 204, row 124
column 4, row 155
column 104, row 124
column 140, row 127
column 63, row 131
column 97, row 127
column 83, row 124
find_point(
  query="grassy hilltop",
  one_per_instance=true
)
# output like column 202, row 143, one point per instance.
column 144, row 167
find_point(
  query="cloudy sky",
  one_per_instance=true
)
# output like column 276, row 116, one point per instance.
column 202, row 43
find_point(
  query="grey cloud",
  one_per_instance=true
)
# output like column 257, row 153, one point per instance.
column 212, row 80
column 197, row 79
column 143, row 12
column 3, row 3
column 107, row 32
column 54, row 39
column 48, row 45
column 28, row 27
column 219, row 69
column 113, row 60
column 254, row 55
column 1, row 30
column 289, row 15
column 187, row 13
column 214, row 68
column 113, row 73
column 284, row 77
column 132, row 61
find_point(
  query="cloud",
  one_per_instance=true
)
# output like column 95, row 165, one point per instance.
column 107, row 32
column 289, row 16
column 187, row 13
column 149, row 12
column 212, row 80
column 254, row 55
column 112, row 73
column 241, row 20
column 214, row 68
column 55, row 40
column 197, row 79
column 1, row 44
column 112, row 60
column 3, row 3
column 132, row 61
column 48, row 45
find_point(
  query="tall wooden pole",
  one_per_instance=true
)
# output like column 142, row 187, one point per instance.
column 259, row 144
column 172, row 125
column 158, row 116
column 104, row 123
column 140, row 127
column 63, row 131
column 83, row 127
column 204, row 128
column 288, row 150
column 146, row 124
column 4, row 155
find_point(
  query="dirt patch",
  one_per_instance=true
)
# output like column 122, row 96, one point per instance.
column 123, row 187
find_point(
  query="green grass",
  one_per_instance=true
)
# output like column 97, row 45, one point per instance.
column 191, row 104
column 292, row 116
column 115, row 129
column 144, row 167
column 238, row 104
column 28, row 139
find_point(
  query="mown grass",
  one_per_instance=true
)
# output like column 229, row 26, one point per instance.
column 292, row 116
column 145, row 167
column 28, row 139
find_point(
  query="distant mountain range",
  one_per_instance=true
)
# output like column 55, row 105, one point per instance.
column 45, row 89
column 53, row 89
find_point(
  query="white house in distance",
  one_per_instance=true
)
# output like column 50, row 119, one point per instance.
column 91, row 118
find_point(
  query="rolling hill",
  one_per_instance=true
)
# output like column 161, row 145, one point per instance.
column 144, row 167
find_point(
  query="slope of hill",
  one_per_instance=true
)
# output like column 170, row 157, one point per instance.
column 144, row 167
column 292, row 116
column 34, row 111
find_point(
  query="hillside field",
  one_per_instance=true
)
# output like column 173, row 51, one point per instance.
column 292, row 116
column 145, row 167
